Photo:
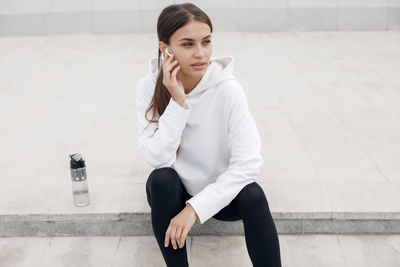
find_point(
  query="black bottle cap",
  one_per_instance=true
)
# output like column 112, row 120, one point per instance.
column 77, row 161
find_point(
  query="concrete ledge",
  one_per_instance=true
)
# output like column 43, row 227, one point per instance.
column 272, row 18
column 139, row 224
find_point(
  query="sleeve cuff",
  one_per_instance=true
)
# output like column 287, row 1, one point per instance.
column 200, row 219
column 206, row 206
column 176, row 115
column 185, row 107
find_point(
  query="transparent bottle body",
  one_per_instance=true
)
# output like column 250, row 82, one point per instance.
column 80, row 189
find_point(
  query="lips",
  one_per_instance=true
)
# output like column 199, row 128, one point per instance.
column 198, row 64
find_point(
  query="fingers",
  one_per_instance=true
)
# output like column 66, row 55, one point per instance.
column 172, row 236
column 183, row 238
column 167, row 233
column 167, row 62
column 173, row 74
column 172, row 65
column 177, row 236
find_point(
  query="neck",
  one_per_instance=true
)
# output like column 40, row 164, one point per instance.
column 188, row 82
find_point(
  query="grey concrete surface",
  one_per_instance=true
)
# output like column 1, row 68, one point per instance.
column 207, row 251
column 326, row 104
column 24, row 17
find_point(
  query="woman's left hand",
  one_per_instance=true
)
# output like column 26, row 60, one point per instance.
column 180, row 226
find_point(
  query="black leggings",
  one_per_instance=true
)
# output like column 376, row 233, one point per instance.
column 167, row 195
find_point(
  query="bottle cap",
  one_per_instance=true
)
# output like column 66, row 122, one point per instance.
column 77, row 161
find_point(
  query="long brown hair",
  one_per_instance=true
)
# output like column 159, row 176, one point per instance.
column 170, row 20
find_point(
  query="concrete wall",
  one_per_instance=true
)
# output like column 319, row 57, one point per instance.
column 46, row 17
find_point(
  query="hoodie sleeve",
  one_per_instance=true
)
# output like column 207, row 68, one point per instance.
column 244, row 162
column 159, row 142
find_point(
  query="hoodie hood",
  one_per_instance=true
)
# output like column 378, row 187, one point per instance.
column 220, row 69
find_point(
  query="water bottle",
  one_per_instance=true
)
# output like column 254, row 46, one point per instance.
column 80, row 188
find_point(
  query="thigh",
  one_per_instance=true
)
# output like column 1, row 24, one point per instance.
column 228, row 213
column 252, row 204
column 231, row 212
column 165, row 182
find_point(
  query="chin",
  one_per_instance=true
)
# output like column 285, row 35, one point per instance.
column 196, row 73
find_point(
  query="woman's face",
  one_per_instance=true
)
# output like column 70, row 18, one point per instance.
column 191, row 44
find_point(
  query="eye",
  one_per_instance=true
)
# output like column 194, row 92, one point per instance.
column 187, row 44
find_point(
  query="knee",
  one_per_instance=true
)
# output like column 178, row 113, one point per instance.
column 162, row 179
column 252, row 196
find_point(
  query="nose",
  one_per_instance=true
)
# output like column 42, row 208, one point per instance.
column 199, row 52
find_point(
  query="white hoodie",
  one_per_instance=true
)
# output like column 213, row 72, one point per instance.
column 220, row 147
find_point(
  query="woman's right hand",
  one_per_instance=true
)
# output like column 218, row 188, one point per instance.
column 174, row 85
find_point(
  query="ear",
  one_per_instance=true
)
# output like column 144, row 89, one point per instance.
column 162, row 46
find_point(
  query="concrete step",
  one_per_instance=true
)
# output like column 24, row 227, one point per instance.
column 207, row 251
column 139, row 224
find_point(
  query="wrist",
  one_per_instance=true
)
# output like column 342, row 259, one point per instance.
column 192, row 209
column 180, row 100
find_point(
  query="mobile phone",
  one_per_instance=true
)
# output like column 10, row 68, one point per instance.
column 166, row 50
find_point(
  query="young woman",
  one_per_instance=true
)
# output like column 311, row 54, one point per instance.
column 201, row 140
